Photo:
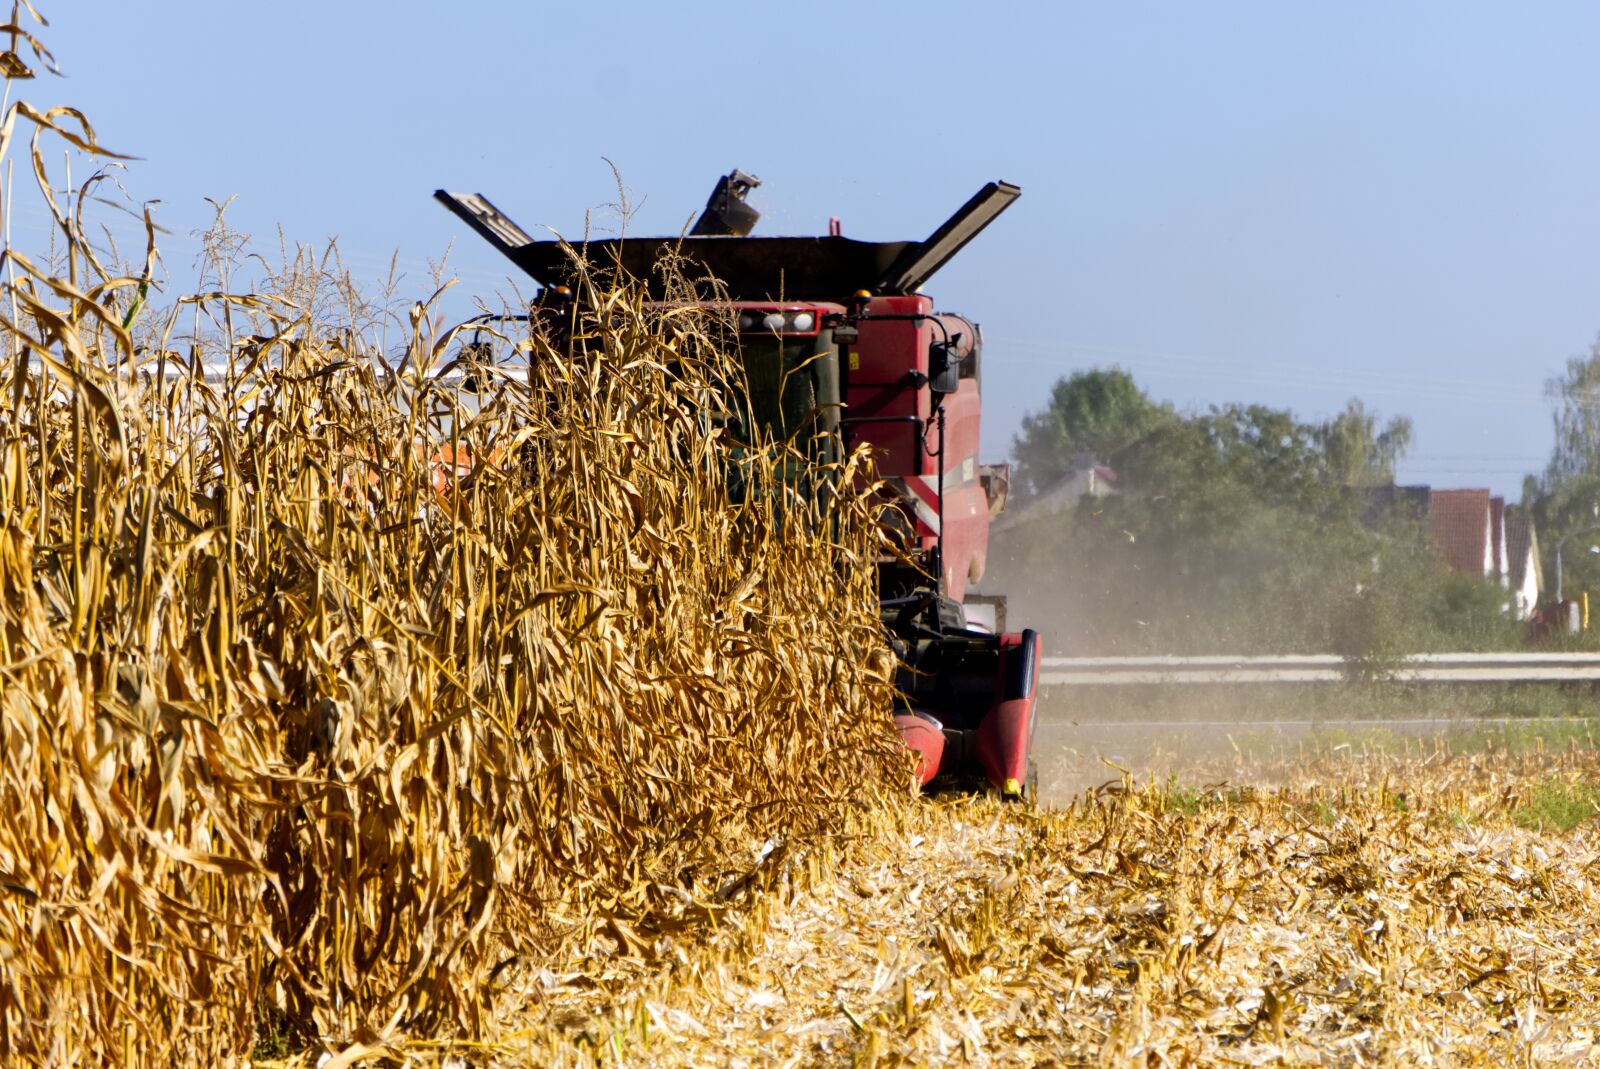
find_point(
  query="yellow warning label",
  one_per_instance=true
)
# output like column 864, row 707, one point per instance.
column 855, row 361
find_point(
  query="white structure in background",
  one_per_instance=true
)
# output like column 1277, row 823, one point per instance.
column 1523, row 573
column 1087, row 478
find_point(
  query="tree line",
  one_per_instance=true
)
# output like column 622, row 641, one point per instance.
column 1565, row 498
column 1238, row 529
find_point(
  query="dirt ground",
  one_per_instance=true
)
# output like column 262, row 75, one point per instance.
column 1078, row 754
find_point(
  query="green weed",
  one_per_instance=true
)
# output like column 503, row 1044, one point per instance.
column 1558, row 805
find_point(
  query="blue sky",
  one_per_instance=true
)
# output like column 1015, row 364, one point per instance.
column 1290, row 204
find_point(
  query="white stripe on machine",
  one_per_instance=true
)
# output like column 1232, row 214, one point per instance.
column 922, row 493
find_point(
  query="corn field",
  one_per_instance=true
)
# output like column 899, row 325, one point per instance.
column 333, row 700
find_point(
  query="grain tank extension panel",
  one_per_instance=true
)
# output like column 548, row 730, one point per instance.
column 752, row 268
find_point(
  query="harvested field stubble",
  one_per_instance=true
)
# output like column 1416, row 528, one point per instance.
column 309, row 733
column 1369, row 910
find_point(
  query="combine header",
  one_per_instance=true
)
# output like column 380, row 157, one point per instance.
column 836, row 333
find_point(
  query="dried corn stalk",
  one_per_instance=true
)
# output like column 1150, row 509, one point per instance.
column 331, row 697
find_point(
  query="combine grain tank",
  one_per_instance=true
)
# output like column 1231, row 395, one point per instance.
column 837, row 332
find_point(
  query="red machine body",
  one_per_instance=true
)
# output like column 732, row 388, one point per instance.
column 888, row 405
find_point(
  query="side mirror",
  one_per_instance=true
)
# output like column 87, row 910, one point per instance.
column 944, row 367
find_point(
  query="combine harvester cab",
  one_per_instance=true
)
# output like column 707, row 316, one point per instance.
column 836, row 335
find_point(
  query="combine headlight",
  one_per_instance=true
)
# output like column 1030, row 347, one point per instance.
column 779, row 321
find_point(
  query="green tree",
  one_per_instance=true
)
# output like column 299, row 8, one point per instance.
column 1576, row 399
column 1566, row 499
column 1357, row 452
column 1099, row 412
column 1244, row 529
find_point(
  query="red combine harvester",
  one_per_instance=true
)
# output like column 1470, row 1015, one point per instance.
column 835, row 334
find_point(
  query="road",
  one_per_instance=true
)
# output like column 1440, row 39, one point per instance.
column 1318, row 668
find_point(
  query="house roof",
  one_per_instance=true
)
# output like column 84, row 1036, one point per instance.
column 1522, row 549
column 1092, row 479
column 1378, row 502
column 1459, row 521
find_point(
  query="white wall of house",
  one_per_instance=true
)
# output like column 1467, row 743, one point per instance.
column 1525, row 598
column 1503, row 565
